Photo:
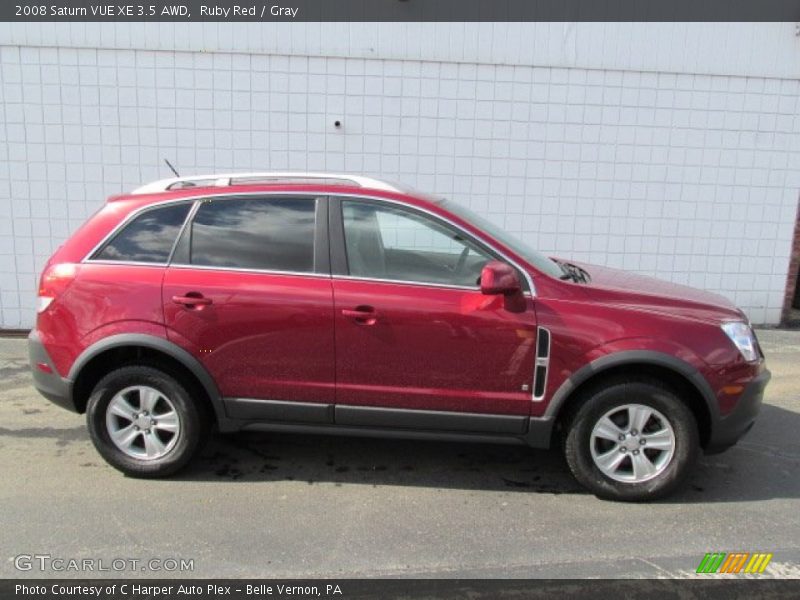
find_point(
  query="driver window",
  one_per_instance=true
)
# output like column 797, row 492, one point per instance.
column 384, row 242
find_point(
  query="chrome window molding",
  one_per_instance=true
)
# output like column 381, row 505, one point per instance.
column 124, row 263
column 210, row 196
column 409, row 282
column 254, row 271
column 207, row 268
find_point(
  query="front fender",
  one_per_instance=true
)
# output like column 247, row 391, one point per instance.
column 637, row 351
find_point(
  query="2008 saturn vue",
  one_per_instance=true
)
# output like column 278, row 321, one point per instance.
column 342, row 304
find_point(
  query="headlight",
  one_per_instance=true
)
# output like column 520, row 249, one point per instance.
column 742, row 337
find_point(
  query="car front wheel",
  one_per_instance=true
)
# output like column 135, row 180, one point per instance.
column 632, row 441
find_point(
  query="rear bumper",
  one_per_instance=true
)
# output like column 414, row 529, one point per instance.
column 726, row 431
column 50, row 385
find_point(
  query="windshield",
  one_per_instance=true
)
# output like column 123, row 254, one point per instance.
column 537, row 259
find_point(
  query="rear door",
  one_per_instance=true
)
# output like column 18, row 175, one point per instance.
column 249, row 293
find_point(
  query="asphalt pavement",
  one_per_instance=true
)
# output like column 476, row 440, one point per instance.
column 268, row 505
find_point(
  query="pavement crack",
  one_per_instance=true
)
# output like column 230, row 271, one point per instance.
column 655, row 566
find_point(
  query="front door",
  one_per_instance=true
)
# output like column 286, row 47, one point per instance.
column 249, row 294
column 413, row 331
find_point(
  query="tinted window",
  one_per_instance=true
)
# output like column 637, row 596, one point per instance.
column 389, row 243
column 148, row 238
column 275, row 234
column 543, row 263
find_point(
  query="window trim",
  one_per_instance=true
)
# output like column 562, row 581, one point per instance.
column 340, row 268
column 335, row 237
column 446, row 286
column 245, row 270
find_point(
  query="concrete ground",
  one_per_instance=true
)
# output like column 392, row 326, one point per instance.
column 296, row 506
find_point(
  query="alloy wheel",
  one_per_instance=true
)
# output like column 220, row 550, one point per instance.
column 142, row 422
column 632, row 443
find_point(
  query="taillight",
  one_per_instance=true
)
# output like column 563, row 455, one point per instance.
column 55, row 279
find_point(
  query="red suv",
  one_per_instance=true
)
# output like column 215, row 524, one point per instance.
column 343, row 304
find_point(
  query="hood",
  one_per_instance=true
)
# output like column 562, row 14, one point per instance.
column 622, row 287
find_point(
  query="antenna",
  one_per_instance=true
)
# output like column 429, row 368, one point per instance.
column 171, row 168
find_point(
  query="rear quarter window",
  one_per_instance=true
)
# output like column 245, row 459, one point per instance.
column 148, row 238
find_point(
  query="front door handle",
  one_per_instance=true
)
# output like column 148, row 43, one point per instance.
column 364, row 315
column 191, row 300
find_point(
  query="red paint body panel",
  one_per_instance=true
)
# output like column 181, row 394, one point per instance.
column 587, row 328
column 284, row 337
column 433, row 349
column 103, row 300
column 264, row 335
column 624, row 283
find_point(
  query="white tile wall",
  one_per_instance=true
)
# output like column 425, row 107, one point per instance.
column 690, row 177
column 747, row 49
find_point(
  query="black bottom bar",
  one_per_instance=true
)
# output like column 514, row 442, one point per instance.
column 201, row 589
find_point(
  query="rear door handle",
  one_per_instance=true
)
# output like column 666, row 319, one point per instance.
column 192, row 299
column 364, row 315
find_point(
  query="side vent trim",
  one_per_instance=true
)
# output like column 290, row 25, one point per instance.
column 542, row 363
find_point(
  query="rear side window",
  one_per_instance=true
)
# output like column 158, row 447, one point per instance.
column 271, row 234
column 148, row 238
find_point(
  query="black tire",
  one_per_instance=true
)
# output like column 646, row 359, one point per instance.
column 193, row 421
column 598, row 402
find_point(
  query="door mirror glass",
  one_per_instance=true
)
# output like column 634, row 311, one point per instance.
column 499, row 278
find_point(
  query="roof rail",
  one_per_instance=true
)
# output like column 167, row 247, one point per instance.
column 228, row 179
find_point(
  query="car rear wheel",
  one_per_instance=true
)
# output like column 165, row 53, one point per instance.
column 144, row 422
column 632, row 440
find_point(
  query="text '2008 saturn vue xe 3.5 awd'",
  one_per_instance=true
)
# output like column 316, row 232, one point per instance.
column 343, row 304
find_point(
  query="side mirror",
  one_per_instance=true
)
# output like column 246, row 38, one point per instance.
column 499, row 278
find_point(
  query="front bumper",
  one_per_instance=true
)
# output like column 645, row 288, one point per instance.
column 727, row 430
column 50, row 385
